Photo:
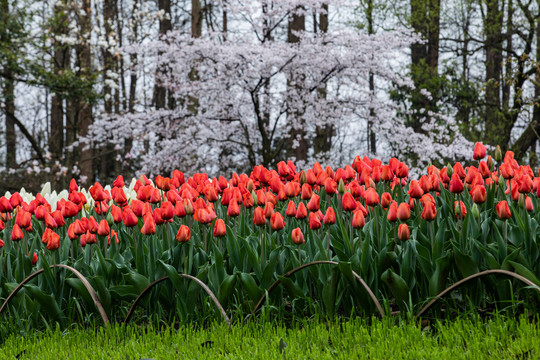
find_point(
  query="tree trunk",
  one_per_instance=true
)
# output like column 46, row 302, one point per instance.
column 425, row 20
column 60, row 61
column 165, row 25
column 298, row 142
column 8, row 90
column 84, row 108
column 107, row 165
column 494, row 39
column 531, row 134
column 323, row 134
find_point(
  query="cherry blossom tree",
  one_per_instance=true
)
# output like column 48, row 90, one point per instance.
column 238, row 98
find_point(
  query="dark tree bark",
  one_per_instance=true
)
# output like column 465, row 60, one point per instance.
column 8, row 90
column 425, row 20
column 84, row 108
column 297, row 23
column 323, row 134
column 60, row 62
column 494, row 120
column 165, row 25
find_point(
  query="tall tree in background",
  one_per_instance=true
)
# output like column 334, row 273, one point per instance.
column 322, row 142
column 84, row 111
column 9, row 28
column 60, row 63
column 425, row 20
column 493, row 117
column 298, row 143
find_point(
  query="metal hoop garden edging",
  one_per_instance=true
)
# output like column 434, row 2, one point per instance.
column 483, row 273
column 199, row 282
column 85, row 282
column 320, row 262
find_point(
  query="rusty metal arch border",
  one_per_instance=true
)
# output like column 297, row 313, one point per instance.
column 85, row 282
column 320, row 262
column 199, row 282
column 474, row 276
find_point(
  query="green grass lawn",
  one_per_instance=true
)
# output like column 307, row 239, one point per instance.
column 498, row 338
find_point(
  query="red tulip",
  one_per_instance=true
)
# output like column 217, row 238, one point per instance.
column 348, row 202
column 129, row 218
column 330, row 186
column 118, row 195
column 58, row 218
column 291, row 209
column 73, row 186
column 392, row 212
column 149, row 226
column 277, row 222
column 268, row 209
column 307, row 191
column 92, row 225
column 483, row 169
column 458, row 169
column 297, row 237
column 70, row 209
column 403, row 212
column 5, row 205
column 258, row 217
column 371, row 197
column 248, row 201
column 479, row 151
column 103, row 228
column 219, row 228
column 330, row 216
column 456, row 185
column 301, row 211
column 314, row 221
column 503, row 210
column 97, row 192
column 16, row 233
column 314, row 203
column 528, row 204
column 52, row 239
column 34, row 257
column 183, row 234
column 23, row 219
column 430, row 211
column 358, row 220
column 507, row 170
column 119, row 182
column 233, row 208
column 402, row 171
column 386, row 200
column 415, row 191
column 204, row 216
column 478, row 194
column 403, row 232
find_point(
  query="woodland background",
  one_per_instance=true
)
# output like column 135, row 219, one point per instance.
column 95, row 88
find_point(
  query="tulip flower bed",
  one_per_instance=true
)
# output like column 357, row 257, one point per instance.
column 358, row 240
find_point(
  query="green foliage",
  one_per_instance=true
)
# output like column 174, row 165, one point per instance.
column 463, row 338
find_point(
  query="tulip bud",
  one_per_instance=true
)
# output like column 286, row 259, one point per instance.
column 489, row 162
column 302, row 178
column 449, row 170
column 521, row 201
column 498, row 154
column 110, row 219
column 341, row 186
column 475, row 211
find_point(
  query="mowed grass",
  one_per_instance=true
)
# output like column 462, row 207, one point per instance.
column 497, row 338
